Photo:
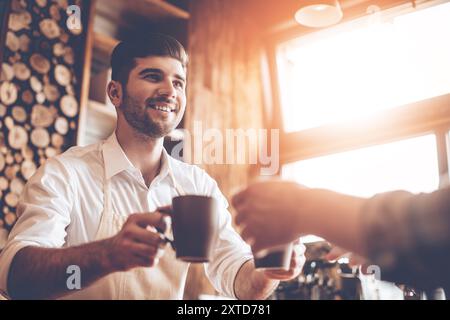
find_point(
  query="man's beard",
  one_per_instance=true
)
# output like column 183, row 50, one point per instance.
column 139, row 119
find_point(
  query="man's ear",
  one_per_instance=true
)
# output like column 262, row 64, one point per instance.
column 115, row 92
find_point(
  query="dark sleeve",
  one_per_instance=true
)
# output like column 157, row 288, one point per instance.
column 408, row 237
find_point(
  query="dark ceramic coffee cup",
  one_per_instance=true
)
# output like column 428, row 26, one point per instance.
column 195, row 224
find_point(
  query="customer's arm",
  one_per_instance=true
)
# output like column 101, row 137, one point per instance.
column 408, row 236
column 277, row 212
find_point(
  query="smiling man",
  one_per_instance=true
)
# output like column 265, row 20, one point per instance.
column 96, row 207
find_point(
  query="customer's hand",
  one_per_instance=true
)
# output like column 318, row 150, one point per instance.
column 138, row 243
column 269, row 213
column 297, row 262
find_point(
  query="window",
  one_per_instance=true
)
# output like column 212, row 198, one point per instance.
column 364, row 66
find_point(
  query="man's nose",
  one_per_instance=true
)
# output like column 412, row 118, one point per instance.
column 167, row 89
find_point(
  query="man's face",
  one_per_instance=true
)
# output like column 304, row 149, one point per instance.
column 154, row 99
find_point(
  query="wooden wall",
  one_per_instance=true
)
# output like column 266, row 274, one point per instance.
column 224, row 88
column 40, row 90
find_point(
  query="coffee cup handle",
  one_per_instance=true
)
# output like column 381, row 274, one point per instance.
column 165, row 238
column 168, row 211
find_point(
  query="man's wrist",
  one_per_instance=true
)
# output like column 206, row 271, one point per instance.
column 266, row 282
column 252, row 283
column 270, row 282
column 106, row 256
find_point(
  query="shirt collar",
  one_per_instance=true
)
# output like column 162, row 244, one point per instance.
column 165, row 167
column 116, row 161
column 114, row 158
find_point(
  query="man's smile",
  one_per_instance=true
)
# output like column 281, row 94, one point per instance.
column 162, row 106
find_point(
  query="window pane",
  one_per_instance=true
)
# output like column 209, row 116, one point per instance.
column 410, row 165
column 359, row 68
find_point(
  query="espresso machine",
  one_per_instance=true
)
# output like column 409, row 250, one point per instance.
column 325, row 280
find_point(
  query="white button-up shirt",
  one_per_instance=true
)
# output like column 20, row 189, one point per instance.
column 61, row 205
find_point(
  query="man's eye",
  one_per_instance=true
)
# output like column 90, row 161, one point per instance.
column 179, row 84
column 153, row 77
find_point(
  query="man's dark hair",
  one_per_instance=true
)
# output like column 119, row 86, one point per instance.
column 153, row 44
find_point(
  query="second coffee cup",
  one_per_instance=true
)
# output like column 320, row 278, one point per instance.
column 278, row 258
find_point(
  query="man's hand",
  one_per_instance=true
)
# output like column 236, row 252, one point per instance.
column 297, row 261
column 138, row 243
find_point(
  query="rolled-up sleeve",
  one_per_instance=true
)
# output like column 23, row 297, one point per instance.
column 231, row 251
column 43, row 214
